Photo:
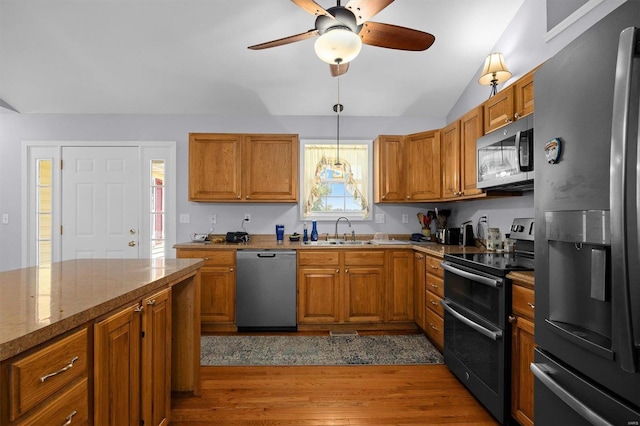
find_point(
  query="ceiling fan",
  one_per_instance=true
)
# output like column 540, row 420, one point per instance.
column 350, row 24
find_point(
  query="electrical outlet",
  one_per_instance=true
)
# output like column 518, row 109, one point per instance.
column 380, row 218
column 405, row 218
column 247, row 217
column 5, row 218
column 214, row 219
column 185, row 218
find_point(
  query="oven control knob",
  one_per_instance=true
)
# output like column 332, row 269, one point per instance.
column 517, row 228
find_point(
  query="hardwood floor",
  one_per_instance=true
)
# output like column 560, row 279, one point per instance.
column 341, row 395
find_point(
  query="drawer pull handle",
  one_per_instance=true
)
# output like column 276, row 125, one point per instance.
column 433, row 303
column 62, row 370
column 434, row 286
column 433, row 327
column 70, row 418
column 531, row 305
column 151, row 302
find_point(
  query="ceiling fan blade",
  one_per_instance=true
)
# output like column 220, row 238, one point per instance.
column 285, row 40
column 338, row 69
column 395, row 37
column 366, row 9
column 312, row 7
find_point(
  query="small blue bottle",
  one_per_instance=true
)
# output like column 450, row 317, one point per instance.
column 305, row 234
column 314, row 231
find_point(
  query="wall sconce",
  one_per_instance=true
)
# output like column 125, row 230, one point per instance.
column 338, row 46
column 495, row 71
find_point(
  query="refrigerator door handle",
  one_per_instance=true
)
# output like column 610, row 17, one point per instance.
column 574, row 403
column 622, row 309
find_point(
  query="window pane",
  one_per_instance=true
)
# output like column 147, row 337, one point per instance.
column 44, row 203
column 334, row 189
column 157, row 196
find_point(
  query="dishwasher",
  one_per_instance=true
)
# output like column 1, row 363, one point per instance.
column 266, row 290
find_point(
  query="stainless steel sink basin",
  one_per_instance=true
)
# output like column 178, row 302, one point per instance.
column 337, row 243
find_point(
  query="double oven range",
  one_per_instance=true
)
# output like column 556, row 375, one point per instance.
column 477, row 338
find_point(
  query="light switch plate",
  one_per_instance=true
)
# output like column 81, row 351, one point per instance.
column 185, row 218
column 5, row 218
column 405, row 218
column 380, row 218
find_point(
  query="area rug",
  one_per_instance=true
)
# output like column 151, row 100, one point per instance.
column 318, row 350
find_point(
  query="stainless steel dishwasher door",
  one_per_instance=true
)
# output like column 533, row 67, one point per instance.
column 266, row 290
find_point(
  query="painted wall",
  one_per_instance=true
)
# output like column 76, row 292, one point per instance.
column 524, row 48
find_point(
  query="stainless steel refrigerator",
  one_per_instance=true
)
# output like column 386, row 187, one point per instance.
column 587, row 255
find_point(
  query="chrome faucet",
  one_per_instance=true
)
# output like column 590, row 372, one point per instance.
column 342, row 217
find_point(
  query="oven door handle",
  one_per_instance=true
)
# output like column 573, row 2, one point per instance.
column 491, row 282
column 493, row 335
column 574, row 403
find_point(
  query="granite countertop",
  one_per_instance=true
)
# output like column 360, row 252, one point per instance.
column 268, row 242
column 526, row 277
column 39, row 303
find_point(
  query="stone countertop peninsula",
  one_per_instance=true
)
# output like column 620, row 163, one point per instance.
column 268, row 242
column 39, row 303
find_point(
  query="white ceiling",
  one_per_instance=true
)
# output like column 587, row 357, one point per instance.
column 191, row 57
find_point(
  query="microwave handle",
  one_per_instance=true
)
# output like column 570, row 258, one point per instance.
column 518, row 135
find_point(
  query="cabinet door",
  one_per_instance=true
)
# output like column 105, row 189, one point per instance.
column 524, row 96
column 419, row 288
column 117, row 369
column 214, row 167
column 218, row 294
column 400, row 279
column 471, row 130
column 389, row 169
column 498, row 110
column 522, row 378
column 364, row 294
column 451, row 160
column 156, row 358
column 270, row 168
column 318, row 295
column 422, row 156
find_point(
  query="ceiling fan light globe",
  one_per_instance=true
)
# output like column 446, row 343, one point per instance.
column 338, row 46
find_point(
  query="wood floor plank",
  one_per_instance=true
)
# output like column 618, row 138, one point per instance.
column 340, row 395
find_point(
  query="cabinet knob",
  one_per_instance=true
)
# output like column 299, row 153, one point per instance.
column 151, row 302
column 138, row 308
column 346, row 271
column 239, row 197
column 246, row 197
column 337, row 271
column 517, row 115
column 531, row 305
column 230, row 269
column 512, row 319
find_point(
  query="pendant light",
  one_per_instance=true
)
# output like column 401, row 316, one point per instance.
column 337, row 108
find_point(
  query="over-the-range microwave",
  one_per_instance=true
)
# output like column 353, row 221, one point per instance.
column 504, row 158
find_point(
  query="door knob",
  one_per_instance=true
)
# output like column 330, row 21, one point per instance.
column 132, row 243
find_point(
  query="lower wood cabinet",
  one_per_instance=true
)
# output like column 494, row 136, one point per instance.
column 522, row 346
column 48, row 385
column 434, row 316
column 354, row 287
column 132, row 369
column 419, row 288
column 218, row 288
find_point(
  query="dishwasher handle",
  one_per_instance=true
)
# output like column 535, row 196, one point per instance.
column 266, row 255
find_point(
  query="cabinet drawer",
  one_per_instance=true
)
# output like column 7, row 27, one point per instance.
column 211, row 257
column 364, row 258
column 70, row 407
column 38, row 376
column 433, row 267
column 435, row 285
column 322, row 258
column 433, row 303
column 523, row 302
column 435, row 329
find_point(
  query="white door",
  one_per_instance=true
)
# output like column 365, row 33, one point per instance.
column 100, row 202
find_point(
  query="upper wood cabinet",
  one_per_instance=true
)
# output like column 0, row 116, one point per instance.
column 509, row 104
column 459, row 156
column 228, row 167
column 451, row 163
column 407, row 168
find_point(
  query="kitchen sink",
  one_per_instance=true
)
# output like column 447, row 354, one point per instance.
column 337, row 243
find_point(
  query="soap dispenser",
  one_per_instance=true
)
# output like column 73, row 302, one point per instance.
column 305, row 234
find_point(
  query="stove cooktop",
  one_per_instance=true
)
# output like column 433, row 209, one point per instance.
column 493, row 263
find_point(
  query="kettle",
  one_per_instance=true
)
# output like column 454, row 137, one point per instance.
column 466, row 234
